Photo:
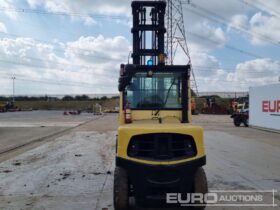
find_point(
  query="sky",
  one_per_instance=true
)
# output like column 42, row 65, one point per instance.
column 75, row 47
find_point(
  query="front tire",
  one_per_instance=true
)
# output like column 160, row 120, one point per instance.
column 246, row 123
column 121, row 189
column 200, row 185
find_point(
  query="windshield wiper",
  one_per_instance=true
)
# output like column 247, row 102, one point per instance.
column 167, row 96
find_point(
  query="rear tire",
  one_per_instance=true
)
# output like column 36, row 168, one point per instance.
column 195, row 112
column 121, row 189
column 200, row 185
column 236, row 122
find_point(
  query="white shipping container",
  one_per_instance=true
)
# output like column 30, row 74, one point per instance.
column 265, row 107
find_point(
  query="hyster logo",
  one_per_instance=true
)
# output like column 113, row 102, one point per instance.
column 271, row 106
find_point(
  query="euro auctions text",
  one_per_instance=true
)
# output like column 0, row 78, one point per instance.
column 239, row 198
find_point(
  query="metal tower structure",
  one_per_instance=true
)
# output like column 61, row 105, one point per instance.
column 176, row 35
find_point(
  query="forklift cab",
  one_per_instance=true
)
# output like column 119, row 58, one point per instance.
column 163, row 90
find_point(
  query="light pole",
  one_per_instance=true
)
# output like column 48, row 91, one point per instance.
column 13, row 78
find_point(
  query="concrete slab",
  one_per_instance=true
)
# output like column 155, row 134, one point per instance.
column 42, row 119
column 13, row 137
column 20, row 128
column 75, row 171
column 70, row 173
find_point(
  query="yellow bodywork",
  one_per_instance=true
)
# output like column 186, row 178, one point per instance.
column 126, row 132
column 144, row 122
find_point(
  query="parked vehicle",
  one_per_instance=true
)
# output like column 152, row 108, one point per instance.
column 241, row 117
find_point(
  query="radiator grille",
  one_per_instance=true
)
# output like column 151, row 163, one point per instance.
column 163, row 147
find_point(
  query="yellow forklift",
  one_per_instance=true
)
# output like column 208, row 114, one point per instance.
column 158, row 151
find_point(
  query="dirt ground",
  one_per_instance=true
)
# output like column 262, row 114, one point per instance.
column 75, row 170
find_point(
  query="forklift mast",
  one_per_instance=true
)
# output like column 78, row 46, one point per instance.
column 148, row 32
column 149, row 56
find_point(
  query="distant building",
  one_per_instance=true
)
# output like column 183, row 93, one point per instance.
column 225, row 94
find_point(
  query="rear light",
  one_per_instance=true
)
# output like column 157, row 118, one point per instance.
column 127, row 114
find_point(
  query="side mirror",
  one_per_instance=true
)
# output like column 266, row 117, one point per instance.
column 127, row 72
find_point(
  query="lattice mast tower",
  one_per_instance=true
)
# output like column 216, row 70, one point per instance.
column 176, row 35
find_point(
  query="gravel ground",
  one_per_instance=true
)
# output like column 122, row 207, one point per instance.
column 76, row 170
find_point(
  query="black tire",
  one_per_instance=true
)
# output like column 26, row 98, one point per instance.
column 236, row 122
column 246, row 123
column 200, row 185
column 121, row 199
column 195, row 112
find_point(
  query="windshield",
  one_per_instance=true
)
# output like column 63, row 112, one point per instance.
column 161, row 91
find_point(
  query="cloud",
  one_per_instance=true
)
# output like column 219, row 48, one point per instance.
column 34, row 3
column 24, row 56
column 83, row 9
column 205, row 65
column 3, row 28
column 84, row 6
column 90, row 63
column 202, row 22
column 212, row 77
column 239, row 21
column 270, row 7
column 255, row 73
column 257, row 69
column 204, row 38
column 85, row 48
column 225, row 9
column 265, row 26
column 9, row 6
column 230, row 11
column 96, row 59
column 89, row 21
